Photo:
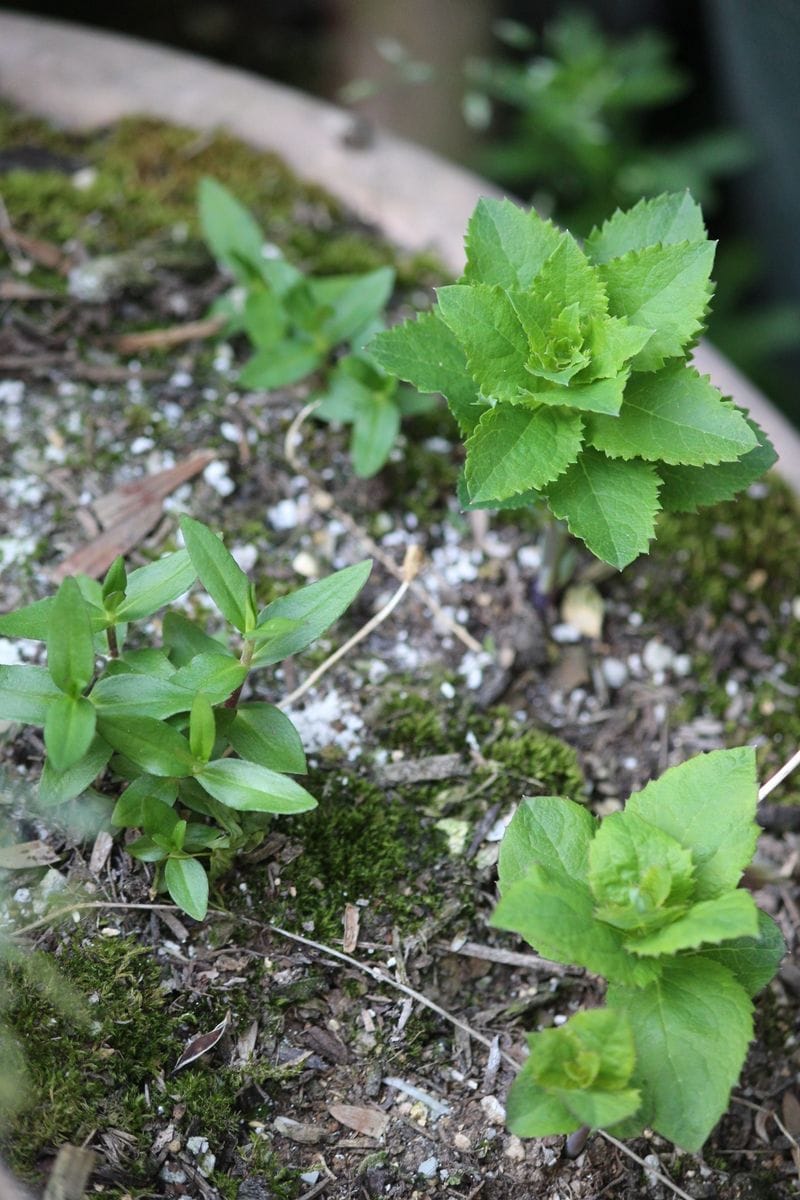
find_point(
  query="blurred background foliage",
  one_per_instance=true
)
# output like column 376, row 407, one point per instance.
column 578, row 109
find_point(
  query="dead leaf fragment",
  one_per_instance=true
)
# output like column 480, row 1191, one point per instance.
column 300, row 1131
column 352, row 921
column 790, row 1113
column 100, row 851
column 583, row 608
column 26, row 854
column 371, row 1122
column 201, row 1044
column 174, row 335
column 70, row 1173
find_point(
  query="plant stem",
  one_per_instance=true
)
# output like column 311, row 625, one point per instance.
column 576, row 1142
column 554, row 539
column 113, row 646
column 245, row 659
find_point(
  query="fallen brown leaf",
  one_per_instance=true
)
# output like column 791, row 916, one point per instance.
column 352, row 920
column 26, row 854
column 790, row 1113
column 371, row 1122
column 201, row 1044
column 174, row 335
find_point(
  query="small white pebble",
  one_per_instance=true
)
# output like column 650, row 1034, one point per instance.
column 448, row 691
column 564, row 633
column 141, row 445
column 494, row 1111
column 216, row 476
column 615, row 672
column 230, row 432
column 682, row 665
column 657, row 656
column 428, row 1168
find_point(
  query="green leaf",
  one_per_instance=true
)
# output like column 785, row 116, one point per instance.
column 707, row 804
column 532, row 1111
column 129, row 809
column 151, row 587
column 187, row 884
column 134, row 695
column 147, row 661
column 514, row 449
column 609, row 505
column 219, row 573
column 281, row 365
column 183, row 639
column 265, row 735
column 640, row 877
column 691, row 1027
column 555, row 914
column 675, row 416
column 374, row 431
column 358, row 301
column 32, row 621
column 158, row 819
column 568, row 278
column 265, row 318
column 146, row 849
column 249, row 787
column 70, row 647
column 547, row 831
column 116, row 579
column 522, row 500
column 668, row 219
column 202, row 728
column 68, row 731
column 26, row 694
column 153, row 746
column 230, row 232
column 426, row 353
column 506, row 245
column 731, row 915
column 665, row 289
column 688, row 488
column 216, row 675
column 751, row 960
column 315, row 607
column 487, row 326
column 596, row 396
column 55, row 787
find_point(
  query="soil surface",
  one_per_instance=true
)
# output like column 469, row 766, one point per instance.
column 370, row 1016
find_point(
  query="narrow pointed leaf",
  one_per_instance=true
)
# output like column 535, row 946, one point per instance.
column 68, row 731
column 56, row 787
column 202, row 728
column 216, row 675
column 231, row 233
column 314, row 607
column 187, row 884
column 263, row 734
column 134, row 695
column 70, row 647
column 153, row 746
column 251, row 788
column 26, row 694
column 151, row 587
column 219, row 573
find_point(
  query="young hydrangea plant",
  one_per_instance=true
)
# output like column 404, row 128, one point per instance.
column 301, row 327
column 649, row 899
column 202, row 771
column 566, row 370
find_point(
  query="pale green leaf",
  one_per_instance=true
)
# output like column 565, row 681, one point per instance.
column 26, row 694
column 278, row 366
column 68, row 731
column 691, row 1027
column 675, row 416
column 731, row 915
column 219, row 573
column 640, row 877
column 609, row 505
column 70, row 646
column 707, row 804
column 230, row 232
column 685, row 489
column 507, row 245
column 357, row 302
column 596, row 396
column 485, row 323
column 151, row 587
column 752, row 960
column 546, row 831
column 532, row 1111
column 314, row 607
column 665, row 289
column 263, row 734
column 202, row 728
column 513, row 449
column 216, row 675
column 673, row 217
column 32, row 621
column 248, row 787
column 187, row 884
column 264, row 317
column 375, row 428
column 569, row 278
column 603, row 1110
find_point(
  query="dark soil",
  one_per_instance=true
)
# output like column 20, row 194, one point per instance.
column 418, row 747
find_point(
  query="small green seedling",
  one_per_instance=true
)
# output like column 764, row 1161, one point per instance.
column 301, row 326
column 200, row 770
column 649, row 899
column 566, row 369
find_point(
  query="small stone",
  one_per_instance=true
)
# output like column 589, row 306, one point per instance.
column 300, row 1131
column 306, row 565
column 197, row 1145
column 682, row 665
column 564, row 633
column 494, row 1110
column 171, row 1174
column 615, row 672
column 141, row 445
column 428, row 1168
column 657, row 656
column 461, row 1142
column 514, row 1149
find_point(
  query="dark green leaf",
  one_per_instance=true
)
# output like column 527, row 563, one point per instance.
column 281, row 365
column 26, row 694
column 57, row 787
column 217, row 675
column 264, row 735
column 134, row 695
column 249, row 787
column 129, row 809
column 219, row 573
column 70, row 647
column 151, row 587
column 358, row 300
column 146, row 849
column 153, row 746
column 187, row 884
column 183, row 639
column 68, row 731
column 751, row 960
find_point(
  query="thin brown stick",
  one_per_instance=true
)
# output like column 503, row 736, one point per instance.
column 173, row 335
column 665, row 1179
column 88, row 904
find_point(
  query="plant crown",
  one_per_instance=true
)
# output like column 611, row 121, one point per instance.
column 647, row 898
column 202, row 771
column 302, row 326
column 566, row 370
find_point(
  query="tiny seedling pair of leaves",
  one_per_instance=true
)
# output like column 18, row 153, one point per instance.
column 296, row 323
column 566, row 370
column 168, row 720
column 647, row 898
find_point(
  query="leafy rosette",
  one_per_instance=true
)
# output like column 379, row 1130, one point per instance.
column 565, row 368
column 575, row 1075
column 649, row 899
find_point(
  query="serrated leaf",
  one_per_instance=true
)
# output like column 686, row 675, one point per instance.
column 26, row 694
column 513, row 449
column 70, row 646
column 546, row 831
column 281, row 365
column 640, row 876
column 555, row 914
column 134, row 695
column 56, row 787
column 152, row 745
column 522, row 500
column 485, row 323
column 685, row 489
column 751, row 960
column 187, row 884
column 68, row 731
column 568, row 277
column 426, row 353
column 230, row 232
column 731, row 915
column 314, row 607
column 596, row 396
column 158, row 583
column 375, row 429
column 675, row 416
column 613, row 342
column 248, row 787
column 609, row 505
column 263, row 734
column 216, row 675
column 691, row 1027
column 668, row 219
column 506, row 245
column 707, row 804
column 202, row 728
column 219, row 573
column 665, row 289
